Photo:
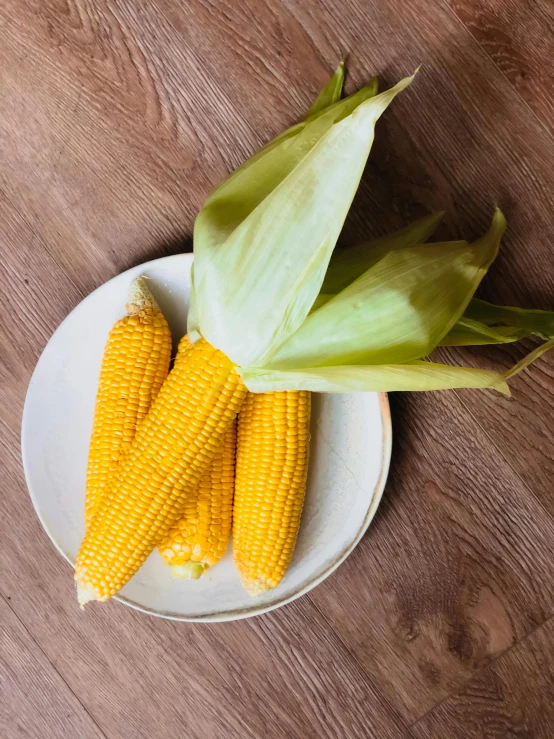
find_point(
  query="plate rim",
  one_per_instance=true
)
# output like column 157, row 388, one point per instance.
column 239, row 613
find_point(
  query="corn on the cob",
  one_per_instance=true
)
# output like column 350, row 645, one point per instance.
column 174, row 446
column 272, row 464
column 182, row 350
column 200, row 538
column 134, row 366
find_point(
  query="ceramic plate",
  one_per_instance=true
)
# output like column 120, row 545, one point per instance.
column 349, row 459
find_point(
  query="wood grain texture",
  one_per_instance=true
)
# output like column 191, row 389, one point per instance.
column 35, row 700
column 284, row 674
column 519, row 38
column 514, row 697
column 520, row 427
column 116, row 118
column 453, row 571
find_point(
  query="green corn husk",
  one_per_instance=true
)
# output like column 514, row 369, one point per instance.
column 482, row 322
column 413, row 376
column 330, row 94
column 349, row 264
column 246, row 187
column 398, row 310
column 264, row 240
column 506, row 320
column 253, row 285
column 467, row 332
column 239, row 194
column 531, row 357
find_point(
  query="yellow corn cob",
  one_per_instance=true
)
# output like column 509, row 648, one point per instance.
column 134, row 366
column 173, row 447
column 182, row 350
column 272, row 465
column 200, row 538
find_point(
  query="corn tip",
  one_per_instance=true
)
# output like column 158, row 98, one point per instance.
column 255, row 588
column 140, row 298
column 190, row 571
column 86, row 593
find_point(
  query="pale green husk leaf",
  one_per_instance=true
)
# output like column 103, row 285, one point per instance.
column 538, row 322
column 482, row 323
column 485, row 323
column 331, row 90
column 262, row 248
column 414, row 376
column 398, row 310
column 237, row 196
column 531, row 357
column 347, row 265
column 245, row 188
column 467, row 332
column 330, row 94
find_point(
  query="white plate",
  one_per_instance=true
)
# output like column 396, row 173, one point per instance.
column 349, row 459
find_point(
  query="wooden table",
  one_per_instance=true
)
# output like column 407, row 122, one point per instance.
column 117, row 116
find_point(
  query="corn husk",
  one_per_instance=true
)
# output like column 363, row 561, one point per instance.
column 330, row 94
column 398, row 310
column 486, row 323
column 240, row 193
column 349, row 264
column 482, row 323
column 264, row 239
column 467, row 332
column 263, row 243
column 413, row 376
column 529, row 358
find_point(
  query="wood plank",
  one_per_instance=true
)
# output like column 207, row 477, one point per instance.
column 285, row 674
column 514, row 697
column 36, row 292
column 519, row 38
column 522, row 430
column 455, row 568
column 109, row 144
column 116, row 119
column 35, row 700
